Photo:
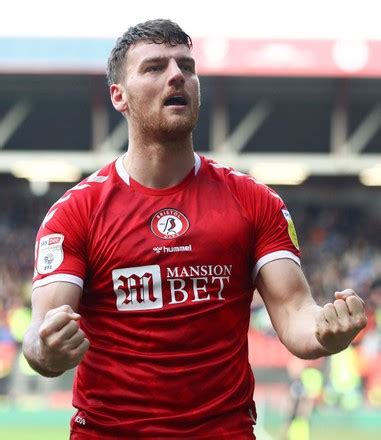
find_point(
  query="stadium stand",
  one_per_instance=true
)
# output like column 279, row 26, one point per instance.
column 330, row 123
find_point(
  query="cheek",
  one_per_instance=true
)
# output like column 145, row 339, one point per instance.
column 144, row 94
column 136, row 96
column 196, row 93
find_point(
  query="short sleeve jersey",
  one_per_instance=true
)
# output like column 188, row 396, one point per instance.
column 167, row 279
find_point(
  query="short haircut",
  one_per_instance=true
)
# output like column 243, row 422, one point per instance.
column 158, row 31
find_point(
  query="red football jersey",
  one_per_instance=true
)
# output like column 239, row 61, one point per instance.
column 168, row 277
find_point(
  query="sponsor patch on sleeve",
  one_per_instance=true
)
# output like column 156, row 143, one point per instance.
column 50, row 253
column 291, row 228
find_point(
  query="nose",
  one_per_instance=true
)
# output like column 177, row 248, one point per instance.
column 176, row 75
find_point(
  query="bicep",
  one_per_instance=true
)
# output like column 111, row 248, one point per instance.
column 284, row 290
column 54, row 295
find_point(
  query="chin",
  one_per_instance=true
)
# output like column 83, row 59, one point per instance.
column 175, row 133
column 178, row 128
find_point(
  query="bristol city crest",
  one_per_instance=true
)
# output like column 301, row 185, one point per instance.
column 169, row 223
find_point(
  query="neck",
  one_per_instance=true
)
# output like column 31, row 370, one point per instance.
column 159, row 164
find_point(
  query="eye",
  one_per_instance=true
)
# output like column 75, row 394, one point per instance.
column 154, row 68
column 187, row 68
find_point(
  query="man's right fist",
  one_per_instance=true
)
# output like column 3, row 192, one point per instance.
column 62, row 343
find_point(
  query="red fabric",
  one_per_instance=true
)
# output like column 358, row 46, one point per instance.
column 234, row 435
column 167, row 318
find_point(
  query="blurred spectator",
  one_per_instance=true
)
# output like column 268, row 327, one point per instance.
column 370, row 347
column 7, row 355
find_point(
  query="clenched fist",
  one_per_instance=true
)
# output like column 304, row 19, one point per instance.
column 338, row 323
column 62, row 343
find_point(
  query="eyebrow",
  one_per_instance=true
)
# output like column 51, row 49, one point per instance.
column 162, row 58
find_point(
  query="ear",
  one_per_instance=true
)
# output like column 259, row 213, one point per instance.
column 119, row 97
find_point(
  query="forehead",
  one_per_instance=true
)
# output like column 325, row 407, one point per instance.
column 143, row 50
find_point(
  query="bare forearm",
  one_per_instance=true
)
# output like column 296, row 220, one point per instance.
column 307, row 330
column 299, row 335
column 32, row 352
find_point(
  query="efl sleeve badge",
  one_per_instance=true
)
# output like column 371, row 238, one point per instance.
column 291, row 228
column 50, row 253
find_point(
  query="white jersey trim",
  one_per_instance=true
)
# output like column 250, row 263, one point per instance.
column 59, row 277
column 125, row 176
column 121, row 170
column 278, row 255
column 197, row 163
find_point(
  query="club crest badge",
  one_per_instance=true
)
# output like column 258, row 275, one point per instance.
column 169, row 223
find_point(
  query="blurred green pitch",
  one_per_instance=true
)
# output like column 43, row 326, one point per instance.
column 35, row 433
column 62, row 433
column 38, row 424
column 54, row 425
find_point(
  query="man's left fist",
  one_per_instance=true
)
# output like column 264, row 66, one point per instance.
column 338, row 323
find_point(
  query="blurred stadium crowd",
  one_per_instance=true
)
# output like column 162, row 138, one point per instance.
column 341, row 247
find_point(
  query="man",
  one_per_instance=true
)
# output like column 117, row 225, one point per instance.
column 145, row 271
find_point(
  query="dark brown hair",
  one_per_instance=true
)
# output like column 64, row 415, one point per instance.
column 158, row 31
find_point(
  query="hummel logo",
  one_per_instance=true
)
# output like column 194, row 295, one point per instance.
column 168, row 249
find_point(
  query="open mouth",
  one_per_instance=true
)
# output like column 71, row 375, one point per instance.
column 175, row 100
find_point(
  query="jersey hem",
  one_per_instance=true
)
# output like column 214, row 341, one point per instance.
column 278, row 255
column 58, row 277
column 79, row 435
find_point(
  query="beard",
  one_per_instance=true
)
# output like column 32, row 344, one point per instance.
column 158, row 124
